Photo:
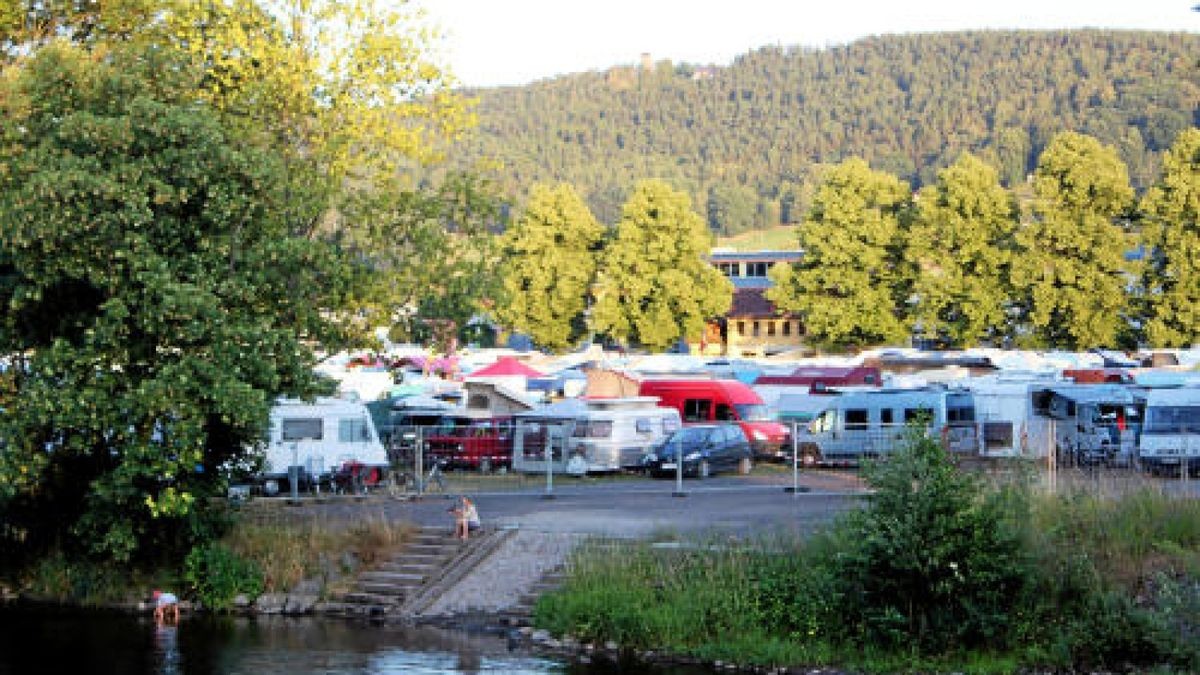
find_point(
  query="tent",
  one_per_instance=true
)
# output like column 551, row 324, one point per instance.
column 507, row 366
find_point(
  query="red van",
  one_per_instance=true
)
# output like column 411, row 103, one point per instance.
column 465, row 443
column 722, row 400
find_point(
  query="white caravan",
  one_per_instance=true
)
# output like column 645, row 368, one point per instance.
column 319, row 437
column 873, row 422
column 1170, row 434
column 1004, row 410
column 600, row 434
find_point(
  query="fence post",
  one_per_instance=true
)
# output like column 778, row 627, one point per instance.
column 679, row 468
column 419, row 460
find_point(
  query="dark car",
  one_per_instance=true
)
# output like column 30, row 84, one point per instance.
column 706, row 449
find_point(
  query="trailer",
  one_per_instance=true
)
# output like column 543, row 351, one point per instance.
column 590, row 435
column 310, row 441
column 1004, row 410
column 873, row 422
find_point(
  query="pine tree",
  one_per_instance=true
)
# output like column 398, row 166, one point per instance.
column 958, row 251
column 654, row 285
column 549, row 264
column 1070, row 271
column 844, row 287
column 1171, row 235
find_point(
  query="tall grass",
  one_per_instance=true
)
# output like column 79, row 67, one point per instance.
column 288, row 552
column 1014, row 579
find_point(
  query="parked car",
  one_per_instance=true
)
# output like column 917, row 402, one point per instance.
column 706, row 449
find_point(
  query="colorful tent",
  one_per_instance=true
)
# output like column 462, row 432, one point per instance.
column 506, row 367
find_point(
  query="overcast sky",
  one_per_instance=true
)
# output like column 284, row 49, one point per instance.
column 498, row 42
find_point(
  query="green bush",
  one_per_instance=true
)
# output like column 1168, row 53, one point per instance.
column 217, row 575
column 935, row 560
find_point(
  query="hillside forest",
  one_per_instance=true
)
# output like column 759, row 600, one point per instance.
column 749, row 142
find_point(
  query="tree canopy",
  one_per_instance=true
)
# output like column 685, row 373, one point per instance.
column 654, row 285
column 549, row 263
column 845, row 287
column 155, row 301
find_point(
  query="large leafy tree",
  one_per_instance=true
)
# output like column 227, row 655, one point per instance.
column 154, row 301
column 1171, row 235
column 846, row 286
column 1069, row 271
column 549, row 265
column 958, row 250
column 653, row 284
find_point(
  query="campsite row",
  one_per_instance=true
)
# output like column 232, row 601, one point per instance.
column 1148, row 418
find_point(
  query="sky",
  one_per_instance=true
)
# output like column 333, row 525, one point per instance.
column 508, row 42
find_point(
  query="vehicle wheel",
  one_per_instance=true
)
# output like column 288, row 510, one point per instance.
column 745, row 466
column 703, row 470
column 485, row 465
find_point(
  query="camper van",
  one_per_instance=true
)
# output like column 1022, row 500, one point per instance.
column 1094, row 424
column 600, row 434
column 867, row 423
column 1170, row 434
column 319, row 437
column 705, row 401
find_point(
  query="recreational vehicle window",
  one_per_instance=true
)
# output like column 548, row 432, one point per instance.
column 696, row 409
column 725, row 413
column 593, row 429
column 644, row 425
column 923, row 415
column 885, row 417
column 960, row 414
column 353, row 431
column 302, row 429
column 856, row 420
column 997, row 435
column 1172, row 419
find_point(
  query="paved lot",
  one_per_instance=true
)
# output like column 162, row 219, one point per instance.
column 627, row 507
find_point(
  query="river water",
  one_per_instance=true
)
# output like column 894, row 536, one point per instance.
column 34, row 642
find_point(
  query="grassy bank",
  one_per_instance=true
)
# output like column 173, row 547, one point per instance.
column 262, row 550
column 940, row 573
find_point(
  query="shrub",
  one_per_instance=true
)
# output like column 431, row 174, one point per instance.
column 935, row 560
column 217, row 575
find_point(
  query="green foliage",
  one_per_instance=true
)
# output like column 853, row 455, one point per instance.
column 154, row 299
column 1069, row 270
column 1171, row 235
column 934, row 561
column 654, row 285
column 907, row 104
column 217, row 575
column 845, row 287
column 549, row 264
column 958, row 251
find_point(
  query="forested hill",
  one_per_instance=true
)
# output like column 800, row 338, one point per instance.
column 747, row 140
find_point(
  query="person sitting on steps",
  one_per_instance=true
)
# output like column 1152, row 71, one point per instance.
column 466, row 518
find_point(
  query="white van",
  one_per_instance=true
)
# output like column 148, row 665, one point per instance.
column 602, row 434
column 873, row 422
column 1170, row 433
column 320, row 437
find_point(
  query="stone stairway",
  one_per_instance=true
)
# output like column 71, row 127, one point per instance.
column 521, row 614
column 384, row 589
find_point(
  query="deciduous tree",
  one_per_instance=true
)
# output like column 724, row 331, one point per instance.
column 154, row 302
column 845, row 285
column 1069, row 270
column 549, row 264
column 958, row 252
column 1171, row 236
column 654, row 285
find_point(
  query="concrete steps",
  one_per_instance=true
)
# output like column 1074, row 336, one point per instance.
column 384, row 588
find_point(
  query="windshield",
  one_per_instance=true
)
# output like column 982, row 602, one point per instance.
column 688, row 436
column 752, row 412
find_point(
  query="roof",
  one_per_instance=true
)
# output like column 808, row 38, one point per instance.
column 506, row 365
column 755, row 256
column 1095, row 393
column 751, row 302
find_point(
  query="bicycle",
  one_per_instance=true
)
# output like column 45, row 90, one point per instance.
column 401, row 483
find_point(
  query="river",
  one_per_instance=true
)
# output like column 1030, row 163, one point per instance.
column 33, row 642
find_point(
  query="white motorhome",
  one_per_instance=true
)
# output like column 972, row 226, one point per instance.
column 1170, row 433
column 1004, row 411
column 1092, row 423
column 320, row 437
column 600, row 434
column 873, row 422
